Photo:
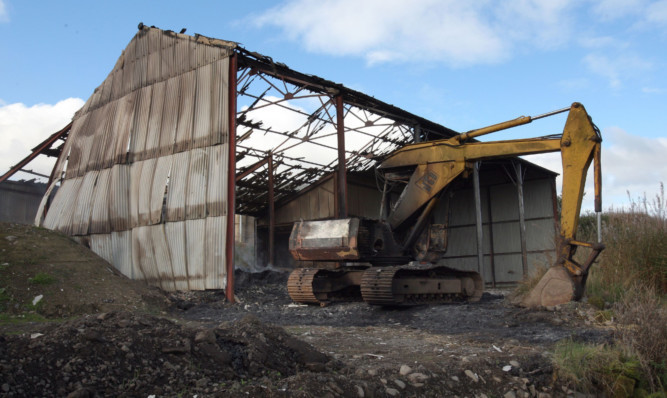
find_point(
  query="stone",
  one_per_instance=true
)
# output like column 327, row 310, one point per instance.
column 360, row 392
column 10, row 238
column 372, row 372
column 455, row 378
column 5, row 387
column 205, row 336
column 472, row 375
column 510, row 394
column 515, row 364
column 400, row 384
column 405, row 370
column 392, row 392
column 417, row 377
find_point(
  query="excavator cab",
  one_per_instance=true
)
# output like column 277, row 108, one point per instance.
column 393, row 261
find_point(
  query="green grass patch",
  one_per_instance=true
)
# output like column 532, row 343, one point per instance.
column 42, row 278
column 596, row 368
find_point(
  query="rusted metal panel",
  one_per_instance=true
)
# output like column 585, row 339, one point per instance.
column 317, row 240
column 215, row 253
column 162, row 257
column 216, row 194
column 170, row 116
column 195, row 203
column 121, row 249
column 186, row 112
column 175, row 234
column 84, row 204
column 219, row 102
column 178, row 183
column 155, row 121
column 195, row 240
column 140, row 125
column 201, row 135
column 99, row 216
column 119, row 205
column 160, row 180
column 102, row 245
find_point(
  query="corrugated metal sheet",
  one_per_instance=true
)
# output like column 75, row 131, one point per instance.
column 119, row 209
column 201, row 135
column 128, row 73
column 83, row 204
column 215, row 252
column 155, row 121
column 540, row 234
column 121, row 243
column 175, row 233
column 219, row 102
column 99, row 217
column 139, row 128
column 182, row 55
column 216, row 195
column 78, row 125
column 195, row 202
column 154, row 53
column 195, row 239
column 160, row 180
column 39, row 217
column 52, row 216
column 141, row 65
column 505, row 204
column 108, row 144
column 167, row 65
column 170, row 117
column 123, row 126
column 536, row 197
column 186, row 112
column 117, row 87
column 135, row 187
column 142, row 249
column 162, row 258
column 178, row 183
column 102, row 246
column 64, row 222
column 145, row 189
column 362, row 201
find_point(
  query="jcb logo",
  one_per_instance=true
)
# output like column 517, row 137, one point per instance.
column 427, row 181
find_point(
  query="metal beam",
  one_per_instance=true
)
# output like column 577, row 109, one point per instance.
column 478, row 221
column 341, row 187
column 272, row 213
column 252, row 168
column 231, row 181
column 522, row 217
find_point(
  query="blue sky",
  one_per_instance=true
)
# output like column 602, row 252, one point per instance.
column 462, row 64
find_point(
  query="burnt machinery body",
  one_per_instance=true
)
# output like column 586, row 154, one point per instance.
column 393, row 260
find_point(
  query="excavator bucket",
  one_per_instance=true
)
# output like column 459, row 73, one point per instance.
column 556, row 287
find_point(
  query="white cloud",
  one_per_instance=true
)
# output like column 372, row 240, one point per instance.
column 631, row 165
column 617, row 68
column 456, row 33
column 22, row 128
column 614, row 9
column 4, row 15
column 657, row 12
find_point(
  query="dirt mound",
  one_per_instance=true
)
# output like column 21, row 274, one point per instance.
column 123, row 354
column 44, row 272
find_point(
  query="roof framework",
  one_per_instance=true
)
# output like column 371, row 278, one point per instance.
column 293, row 118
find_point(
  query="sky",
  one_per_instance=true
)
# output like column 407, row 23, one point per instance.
column 461, row 64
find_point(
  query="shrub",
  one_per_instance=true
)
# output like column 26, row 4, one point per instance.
column 42, row 278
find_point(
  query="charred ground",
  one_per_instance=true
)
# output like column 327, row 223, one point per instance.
column 115, row 337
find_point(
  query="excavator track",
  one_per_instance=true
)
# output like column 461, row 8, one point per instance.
column 321, row 286
column 417, row 285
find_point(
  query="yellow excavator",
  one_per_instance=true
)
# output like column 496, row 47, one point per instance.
column 393, row 260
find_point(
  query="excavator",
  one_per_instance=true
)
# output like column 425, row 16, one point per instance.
column 393, row 261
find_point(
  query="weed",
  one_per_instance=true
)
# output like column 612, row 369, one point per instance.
column 42, row 278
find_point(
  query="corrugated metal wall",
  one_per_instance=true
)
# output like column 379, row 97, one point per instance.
column 146, row 163
column 502, row 242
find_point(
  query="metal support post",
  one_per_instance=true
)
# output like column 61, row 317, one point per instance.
column 341, row 187
column 478, row 221
column 522, row 217
column 272, row 216
column 231, row 181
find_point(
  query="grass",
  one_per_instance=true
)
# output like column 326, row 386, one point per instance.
column 42, row 278
column 629, row 285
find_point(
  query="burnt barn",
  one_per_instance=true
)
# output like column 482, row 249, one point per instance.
column 193, row 143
